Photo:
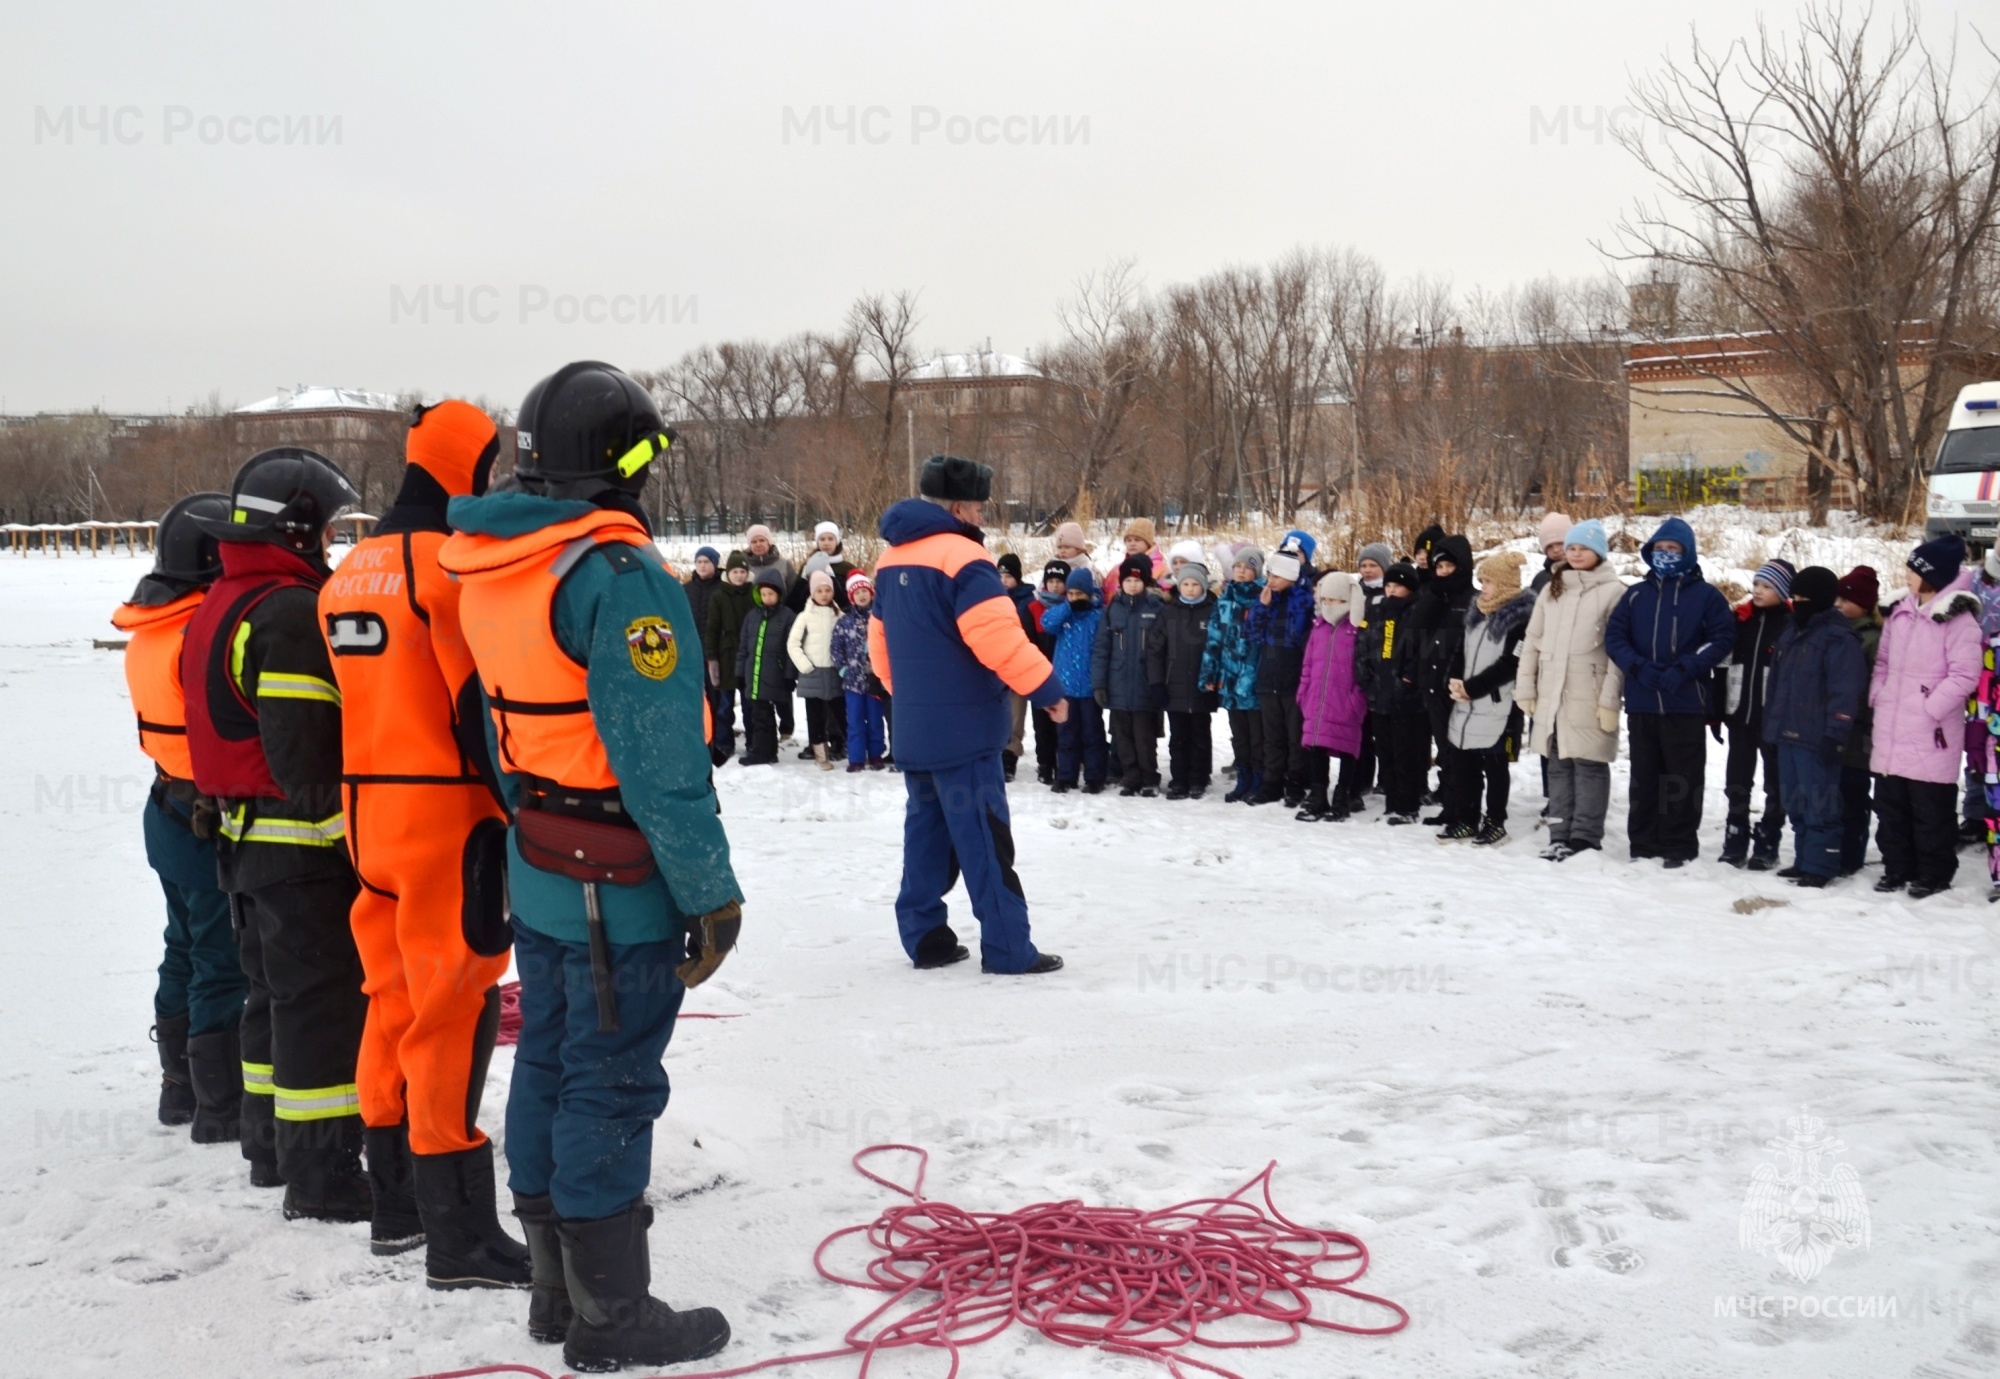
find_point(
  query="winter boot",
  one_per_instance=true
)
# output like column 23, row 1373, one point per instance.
column 321, row 1161
column 940, row 948
column 1764, row 842
column 1272, row 792
column 549, row 1311
column 1491, row 832
column 819, row 756
column 1313, row 807
column 1736, row 842
column 1008, row 764
column 259, row 1137
column 215, row 1068
column 467, row 1247
column 1176, row 791
column 618, row 1322
column 176, row 1088
column 396, row 1225
column 1239, row 790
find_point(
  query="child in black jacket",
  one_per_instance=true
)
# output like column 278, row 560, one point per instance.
column 1742, row 685
column 1190, row 708
column 1388, row 672
column 763, row 666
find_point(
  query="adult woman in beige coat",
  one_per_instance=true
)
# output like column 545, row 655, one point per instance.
column 1569, row 687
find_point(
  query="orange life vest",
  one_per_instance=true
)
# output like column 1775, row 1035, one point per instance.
column 537, row 693
column 383, row 612
column 153, row 674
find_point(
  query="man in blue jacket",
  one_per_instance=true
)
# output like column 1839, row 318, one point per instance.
column 1668, row 633
column 948, row 643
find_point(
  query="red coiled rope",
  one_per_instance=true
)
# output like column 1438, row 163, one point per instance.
column 1144, row 1283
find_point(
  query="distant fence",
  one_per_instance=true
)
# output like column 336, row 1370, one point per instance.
column 51, row 538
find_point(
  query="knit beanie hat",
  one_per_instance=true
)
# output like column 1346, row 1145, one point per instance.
column 1778, row 574
column 1135, row 567
column 1589, row 533
column 1141, row 527
column 1071, row 535
column 1192, row 569
column 1939, row 561
column 1379, row 552
column 1251, row 556
column 1859, row 586
column 1813, row 592
column 818, row 580
column 858, row 580
column 827, row 529
column 755, row 530
column 1081, row 579
column 1056, row 569
column 1403, row 573
column 737, row 561
column 1499, row 579
column 1184, row 550
column 1009, row 564
column 1555, row 527
column 710, row 552
column 455, row 443
column 1282, row 566
column 1301, row 544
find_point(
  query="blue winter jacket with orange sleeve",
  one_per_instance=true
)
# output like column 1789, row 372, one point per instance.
column 947, row 640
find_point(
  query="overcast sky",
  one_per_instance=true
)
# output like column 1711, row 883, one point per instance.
column 280, row 193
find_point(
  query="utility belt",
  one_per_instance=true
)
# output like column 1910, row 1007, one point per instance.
column 183, row 800
column 587, row 836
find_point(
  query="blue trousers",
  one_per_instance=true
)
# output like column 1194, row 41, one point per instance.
column 867, row 729
column 1080, row 743
column 1814, row 803
column 581, row 1107
column 956, row 823
column 201, row 973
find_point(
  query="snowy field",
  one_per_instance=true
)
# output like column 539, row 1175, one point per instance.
column 1539, row 1094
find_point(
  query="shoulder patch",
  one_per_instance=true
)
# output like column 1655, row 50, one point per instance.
column 655, row 653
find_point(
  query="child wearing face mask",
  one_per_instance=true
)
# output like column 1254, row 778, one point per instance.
column 1667, row 635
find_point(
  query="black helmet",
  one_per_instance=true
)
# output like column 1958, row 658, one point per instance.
column 284, row 496
column 181, row 549
column 185, row 555
column 587, row 428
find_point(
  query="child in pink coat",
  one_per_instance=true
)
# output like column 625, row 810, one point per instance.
column 1332, row 706
column 1927, row 665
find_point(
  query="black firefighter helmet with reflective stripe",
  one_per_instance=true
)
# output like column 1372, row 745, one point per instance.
column 586, row 428
column 285, row 496
column 182, row 550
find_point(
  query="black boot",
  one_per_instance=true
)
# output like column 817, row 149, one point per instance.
column 395, row 1225
column 618, row 1322
column 215, row 1070
column 321, row 1161
column 549, row 1311
column 1764, row 841
column 940, row 948
column 1736, row 842
column 467, row 1247
column 177, row 1103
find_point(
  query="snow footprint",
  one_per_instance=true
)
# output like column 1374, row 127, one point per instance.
column 1590, row 1234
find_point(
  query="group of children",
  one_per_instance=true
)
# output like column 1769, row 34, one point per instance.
column 1440, row 659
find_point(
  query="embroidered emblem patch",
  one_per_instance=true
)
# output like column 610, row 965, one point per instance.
column 655, row 653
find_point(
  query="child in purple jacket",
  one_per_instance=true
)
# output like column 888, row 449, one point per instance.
column 1332, row 706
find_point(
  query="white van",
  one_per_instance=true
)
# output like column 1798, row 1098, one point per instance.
column 1965, row 478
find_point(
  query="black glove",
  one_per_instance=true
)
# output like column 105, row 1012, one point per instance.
column 876, row 689
column 1715, row 730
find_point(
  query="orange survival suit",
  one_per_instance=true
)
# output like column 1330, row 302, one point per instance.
column 424, row 826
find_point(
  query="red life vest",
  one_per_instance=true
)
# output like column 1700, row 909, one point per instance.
column 223, row 738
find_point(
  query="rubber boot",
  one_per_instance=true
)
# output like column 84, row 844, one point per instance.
column 215, row 1069
column 618, row 1322
column 467, row 1247
column 395, row 1226
column 321, row 1161
column 549, row 1311
column 1735, row 842
column 177, row 1103
column 1764, row 843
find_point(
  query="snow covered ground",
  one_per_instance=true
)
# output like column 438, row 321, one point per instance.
column 1539, row 1094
